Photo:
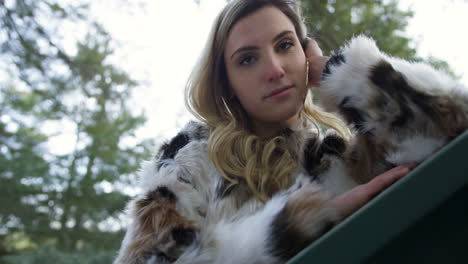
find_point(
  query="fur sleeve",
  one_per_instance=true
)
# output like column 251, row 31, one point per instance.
column 287, row 223
column 401, row 111
column 166, row 216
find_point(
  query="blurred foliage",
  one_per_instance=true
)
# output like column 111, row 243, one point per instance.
column 62, row 206
column 332, row 23
column 49, row 252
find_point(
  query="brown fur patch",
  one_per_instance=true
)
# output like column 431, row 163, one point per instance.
column 365, row 159
column 303, row 219
column 156, row 220
column 398, row 111
column 452, row 118
column 307, row 210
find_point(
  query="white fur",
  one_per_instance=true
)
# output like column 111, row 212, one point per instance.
column 348, row 79
column 147, row 175
column 336, row 179
column 361, row 53
column 193, row 165
column 245, row 240
column 415, row 149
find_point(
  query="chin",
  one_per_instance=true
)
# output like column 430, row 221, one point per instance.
column 286, row 114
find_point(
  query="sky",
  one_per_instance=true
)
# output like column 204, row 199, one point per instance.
column 160, row 47
column 438, row 27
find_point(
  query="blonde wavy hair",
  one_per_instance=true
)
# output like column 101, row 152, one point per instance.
column 264, row 165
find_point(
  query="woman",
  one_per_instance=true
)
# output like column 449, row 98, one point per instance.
column 247, row 185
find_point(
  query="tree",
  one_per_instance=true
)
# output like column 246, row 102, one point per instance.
column 66, row 201
column 332, row 23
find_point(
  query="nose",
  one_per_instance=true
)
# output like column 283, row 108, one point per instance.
column 274, row 69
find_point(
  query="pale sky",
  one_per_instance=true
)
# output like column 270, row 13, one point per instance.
column 439, row 28
column 161, row 45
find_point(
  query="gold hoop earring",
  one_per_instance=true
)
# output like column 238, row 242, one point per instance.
column 307, row 73
column 227, row 107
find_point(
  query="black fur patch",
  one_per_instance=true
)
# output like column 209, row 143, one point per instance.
column 287, row 132
column 388, row 165
column 169, row 150
column 183, row 236
column 394, row 84
column 351, row 114
column 312, row 156
column 201, row 131
column 286, row 241
column 333, row 144
column 315, row 150
column 405, row 116
column 162, row 192
column 335, row 60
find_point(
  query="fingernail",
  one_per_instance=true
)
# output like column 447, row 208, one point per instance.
column 403, row 169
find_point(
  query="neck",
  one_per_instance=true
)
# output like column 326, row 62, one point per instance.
column 272, row 129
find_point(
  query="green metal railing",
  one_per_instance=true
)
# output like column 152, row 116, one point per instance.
column 421, row 219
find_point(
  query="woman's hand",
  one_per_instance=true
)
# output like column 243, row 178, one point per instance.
column 354, row 199
column 316, row 62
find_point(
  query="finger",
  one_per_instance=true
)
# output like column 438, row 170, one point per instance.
column 312, row 48
column 387, row 178
column 352, row 200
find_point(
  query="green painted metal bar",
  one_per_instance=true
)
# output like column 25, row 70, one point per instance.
column 399, row 210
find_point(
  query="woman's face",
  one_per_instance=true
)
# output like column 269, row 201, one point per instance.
column 266, row 68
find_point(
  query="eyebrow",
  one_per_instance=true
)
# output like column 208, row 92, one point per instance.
column 249, row 48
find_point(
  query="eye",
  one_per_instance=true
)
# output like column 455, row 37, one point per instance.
column 285, row 45
column 247, row 60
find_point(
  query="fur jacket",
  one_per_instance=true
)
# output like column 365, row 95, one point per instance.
column 400, row 112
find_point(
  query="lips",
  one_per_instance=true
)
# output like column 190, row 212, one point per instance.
column 279, row 91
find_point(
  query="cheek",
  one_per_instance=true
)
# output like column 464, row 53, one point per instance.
column 248, row 99
column 301, row 68
column 244, row 85
column 300, row 74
